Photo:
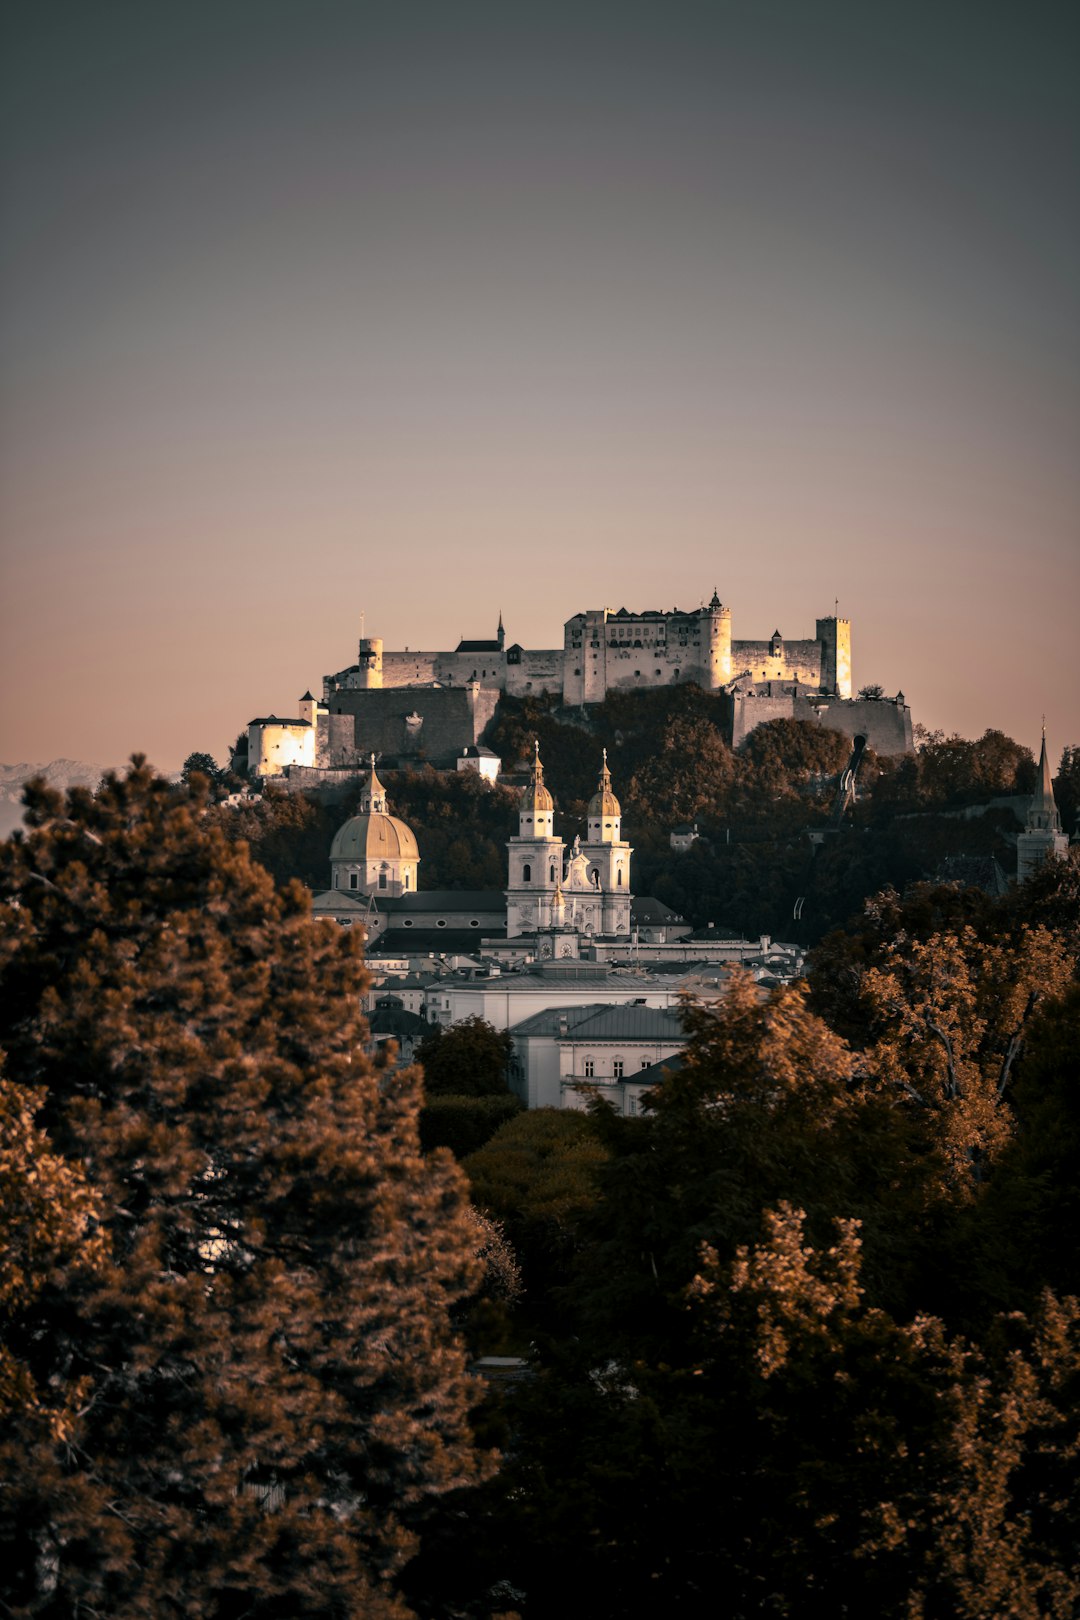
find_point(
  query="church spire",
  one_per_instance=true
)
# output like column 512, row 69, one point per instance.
column 1043, row 812
column 373, row 798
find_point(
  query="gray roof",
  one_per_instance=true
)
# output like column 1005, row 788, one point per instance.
column 646, row 908
column 396, row 1021
column 447, row 900
column 654, row 1074
column 333, row 900
column 604, row 1021
column 430, row 941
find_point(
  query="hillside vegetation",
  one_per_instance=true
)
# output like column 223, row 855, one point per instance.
column 670, row 765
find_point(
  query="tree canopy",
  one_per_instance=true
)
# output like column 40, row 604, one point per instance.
column 238, row 1297
column 467, row 1060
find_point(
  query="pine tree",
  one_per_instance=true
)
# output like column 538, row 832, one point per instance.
column 269, row 1388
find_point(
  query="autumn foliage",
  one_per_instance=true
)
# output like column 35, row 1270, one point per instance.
column 230, row 1380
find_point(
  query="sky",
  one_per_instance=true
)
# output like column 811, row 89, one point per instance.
column 314, row 310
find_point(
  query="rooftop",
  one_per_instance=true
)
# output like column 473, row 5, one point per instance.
column 602, row 1021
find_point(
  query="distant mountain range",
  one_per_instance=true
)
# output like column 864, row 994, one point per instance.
column 59, row 773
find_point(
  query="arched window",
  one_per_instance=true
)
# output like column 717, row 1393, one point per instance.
column 619, row 878
column 526, row 873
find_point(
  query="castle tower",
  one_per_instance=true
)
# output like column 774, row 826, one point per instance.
column 1043, row 835
column 501, row 634
column 535, row 859
column 717, row 641
column 374, row 853
column 609, row 857
column 835, row 637
column 369, row 660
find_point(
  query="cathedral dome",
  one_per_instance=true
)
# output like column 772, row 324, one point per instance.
column 603, row 802
column 375, row 837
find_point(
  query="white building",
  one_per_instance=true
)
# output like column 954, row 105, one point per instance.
column 562, row 1054
column 507, row 999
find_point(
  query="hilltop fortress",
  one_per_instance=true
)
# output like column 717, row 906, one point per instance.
column 431, row 705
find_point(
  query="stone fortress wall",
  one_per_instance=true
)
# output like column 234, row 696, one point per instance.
column 429, row 705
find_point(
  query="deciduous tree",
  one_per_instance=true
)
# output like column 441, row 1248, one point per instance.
column 270, row 1391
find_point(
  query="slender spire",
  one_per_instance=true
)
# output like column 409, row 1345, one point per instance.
column 536, row 796
column 1043, row 813
column 373, row 798
column 603, row 802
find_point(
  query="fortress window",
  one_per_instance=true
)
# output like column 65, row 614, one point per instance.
column 577, row 672
column 659, row 672
column 526, row 873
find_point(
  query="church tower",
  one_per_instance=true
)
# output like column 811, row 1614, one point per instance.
column 608, row 857
column 1043, row 835
column 374, row 853
column 536, row 857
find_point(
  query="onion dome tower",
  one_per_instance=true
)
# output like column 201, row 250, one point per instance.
column 535, row 858
column 1043, row 835
column 609, row 856
column 374, row 853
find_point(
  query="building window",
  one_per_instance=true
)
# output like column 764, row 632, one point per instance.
column 440, row 922
column 354, row 881
column 474, row 922
column 382, row 880
column 618, row 878
column 407, row 922
column 590, row 1068
column 617, row 1068
column 526, row 873
column 406, row 880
